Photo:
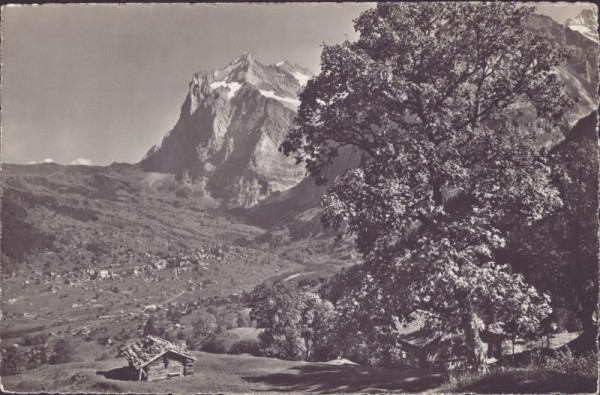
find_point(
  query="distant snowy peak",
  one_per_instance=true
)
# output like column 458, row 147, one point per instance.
column 585, row 23
column 301, row 74
column 283, row 81
column 232, row 123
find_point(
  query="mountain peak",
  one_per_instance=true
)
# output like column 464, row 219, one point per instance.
column 232, row 122
column 282, row 81
column 585, row 23
column 244, row 58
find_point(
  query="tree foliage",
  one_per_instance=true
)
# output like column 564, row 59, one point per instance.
column 63, row 351
column 14, row 361
column 428, row 93
column 559, row 254
column 296, row 323
column 204, row 327
column 152, row 328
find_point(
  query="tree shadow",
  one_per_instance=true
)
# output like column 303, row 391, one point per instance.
column 330, row 379
column 125, row 373
column 529, row 382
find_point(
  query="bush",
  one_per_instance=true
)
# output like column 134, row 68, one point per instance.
column 246, row 346
column 14, row 361
column 37, row 357
column 64, row 351
column 565, row 361
column 243, row 321
column 33, row 339
column 221, row 343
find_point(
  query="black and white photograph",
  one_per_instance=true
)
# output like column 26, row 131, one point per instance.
column 304, row 198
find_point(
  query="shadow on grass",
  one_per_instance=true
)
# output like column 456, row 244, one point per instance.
column 529, row 381
column 327, row 378
column 124, row 373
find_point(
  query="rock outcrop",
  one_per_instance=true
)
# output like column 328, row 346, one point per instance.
column 585, row 23
column 229, row 131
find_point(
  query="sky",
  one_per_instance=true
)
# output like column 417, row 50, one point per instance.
column 96, row 84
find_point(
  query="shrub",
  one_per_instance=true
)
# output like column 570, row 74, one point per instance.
column 37, row 357
column 246, row 346
column 565, row 361
column 64, row 351
column 243, row 321
column 221, row 343
column 32, row 339
column 14, row 361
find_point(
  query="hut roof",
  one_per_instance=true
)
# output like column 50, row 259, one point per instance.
column 149, row 348
column 414, row 332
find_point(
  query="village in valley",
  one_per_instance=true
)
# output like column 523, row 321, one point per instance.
column 414, row 210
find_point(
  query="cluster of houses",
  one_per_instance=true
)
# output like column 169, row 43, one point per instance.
column 199, row 259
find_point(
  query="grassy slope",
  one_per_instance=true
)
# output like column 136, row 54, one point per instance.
column 523, row 381
column 227, row 374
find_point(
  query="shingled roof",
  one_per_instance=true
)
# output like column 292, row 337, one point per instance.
column 415, row 332
column 148, row 349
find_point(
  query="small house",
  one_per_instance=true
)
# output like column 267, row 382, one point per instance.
column 424, row 348
column 153, row 358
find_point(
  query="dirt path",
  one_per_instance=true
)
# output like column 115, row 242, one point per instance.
column 173, row 298
column 297, row 275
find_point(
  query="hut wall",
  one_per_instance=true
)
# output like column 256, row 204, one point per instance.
column 164, row 367
column 189, row 368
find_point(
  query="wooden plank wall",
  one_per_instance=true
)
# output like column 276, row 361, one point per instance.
column 158, row 371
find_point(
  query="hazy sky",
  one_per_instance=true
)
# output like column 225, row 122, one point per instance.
column 105, row 82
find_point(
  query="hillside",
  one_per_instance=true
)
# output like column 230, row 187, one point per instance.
column 82, row 246
column 224, row 374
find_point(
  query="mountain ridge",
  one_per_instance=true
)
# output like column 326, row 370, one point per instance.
column 230, row 127
column 585, row 23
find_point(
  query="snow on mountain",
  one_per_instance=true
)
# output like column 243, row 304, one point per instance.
column 301, row 74
column 232, row 87
column 585, row 23
column 229, row 131
column 286, row 100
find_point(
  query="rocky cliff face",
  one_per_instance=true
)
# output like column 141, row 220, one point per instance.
column 229, row 131
column 585, row 23
column 580, row 74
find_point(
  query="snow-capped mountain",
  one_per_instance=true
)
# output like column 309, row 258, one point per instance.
column 585, row 23
column 231, row 125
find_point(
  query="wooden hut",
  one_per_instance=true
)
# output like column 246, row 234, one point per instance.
column 153, row 358
column 424, row 348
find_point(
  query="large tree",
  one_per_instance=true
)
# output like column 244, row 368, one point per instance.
column 429, row 94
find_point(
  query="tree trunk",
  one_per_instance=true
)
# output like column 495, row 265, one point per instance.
column 475, row 353
column 587, row 341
